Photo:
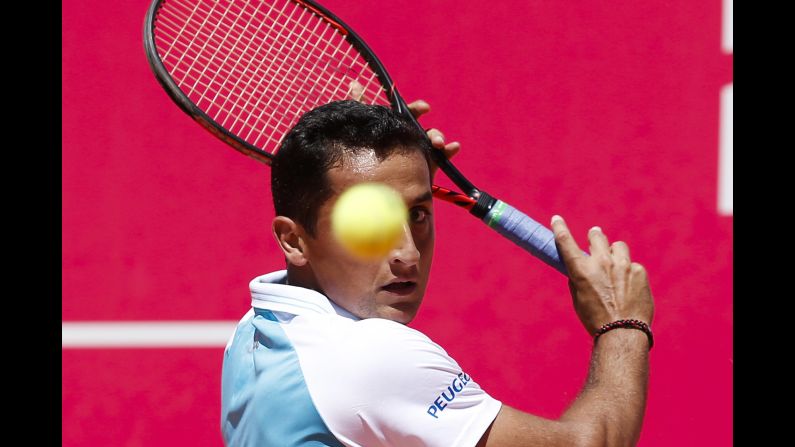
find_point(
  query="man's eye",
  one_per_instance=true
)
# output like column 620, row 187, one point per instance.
column 419, row 215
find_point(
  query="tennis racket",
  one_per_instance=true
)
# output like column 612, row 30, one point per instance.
column 246, row 70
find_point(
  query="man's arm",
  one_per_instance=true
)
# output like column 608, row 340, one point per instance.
column 605, row 287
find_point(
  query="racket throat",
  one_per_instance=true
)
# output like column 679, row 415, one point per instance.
column 454, row 174
column 483, row 205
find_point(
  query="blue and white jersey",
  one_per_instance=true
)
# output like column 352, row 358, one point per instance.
column 299, row 370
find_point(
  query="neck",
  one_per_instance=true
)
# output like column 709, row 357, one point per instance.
column 302, row 277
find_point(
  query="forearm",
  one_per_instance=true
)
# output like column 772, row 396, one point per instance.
column 605, row 286
column 613, row 399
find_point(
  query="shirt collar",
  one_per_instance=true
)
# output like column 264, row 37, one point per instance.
column 272, row 292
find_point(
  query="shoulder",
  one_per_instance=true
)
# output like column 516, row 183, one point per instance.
column 404, row 356
column 377, row 382
column 387, row 332
column 365, row 347
column 374, row 362
column 387, row 348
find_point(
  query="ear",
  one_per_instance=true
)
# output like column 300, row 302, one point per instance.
column 290, row 237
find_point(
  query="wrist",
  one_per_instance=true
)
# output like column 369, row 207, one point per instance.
column 629, row 329
column 624, row 337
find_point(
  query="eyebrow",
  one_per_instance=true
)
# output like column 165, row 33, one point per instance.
column 423, row 198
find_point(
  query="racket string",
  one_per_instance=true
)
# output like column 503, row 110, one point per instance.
column 232, row 51
column 248, row 67
column 360, row 64
column 271, row 63
column 307, row 87
column 204, row 44
column 233, row 68
column 300, row 69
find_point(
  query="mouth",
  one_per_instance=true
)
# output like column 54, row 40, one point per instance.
column 401, row 287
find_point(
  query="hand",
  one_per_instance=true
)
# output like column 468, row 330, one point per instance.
column 417, row 109
column 605, row 286
column 420, row 107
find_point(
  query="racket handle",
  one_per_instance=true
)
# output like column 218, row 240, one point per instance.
column 524, row 232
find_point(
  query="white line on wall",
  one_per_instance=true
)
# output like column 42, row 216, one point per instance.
column 727, row 38
column 146, row 334
column 726, row 154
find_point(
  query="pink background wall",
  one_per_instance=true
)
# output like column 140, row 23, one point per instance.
column 604, row 112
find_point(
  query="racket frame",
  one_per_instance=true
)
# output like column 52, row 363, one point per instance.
column 503, row 218
column 398, row 104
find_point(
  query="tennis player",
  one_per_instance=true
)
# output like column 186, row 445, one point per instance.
column 324, row 356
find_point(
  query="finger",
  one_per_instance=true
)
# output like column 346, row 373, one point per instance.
column 356, row 91
column 599, row 246
column 451, row 149
column 567, row 246
column 620, row 252
column 639, row 271
column 436, row 137
column 621, row 267
column 419, row 108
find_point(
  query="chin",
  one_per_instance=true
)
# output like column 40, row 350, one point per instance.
column 401, row 313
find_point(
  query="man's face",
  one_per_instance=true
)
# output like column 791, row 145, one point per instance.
column 391, row 288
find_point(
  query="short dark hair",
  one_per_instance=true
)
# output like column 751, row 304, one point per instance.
column 321, row 139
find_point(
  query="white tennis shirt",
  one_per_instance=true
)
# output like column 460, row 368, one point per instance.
column 300, row 370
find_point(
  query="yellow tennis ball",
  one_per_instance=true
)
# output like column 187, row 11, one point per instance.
column 368, row 219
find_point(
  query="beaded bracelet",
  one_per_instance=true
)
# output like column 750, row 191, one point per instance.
column 631, row 324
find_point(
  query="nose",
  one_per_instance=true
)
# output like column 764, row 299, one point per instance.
column 405, row 252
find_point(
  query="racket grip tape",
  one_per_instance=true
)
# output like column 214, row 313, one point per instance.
column 525, row 232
